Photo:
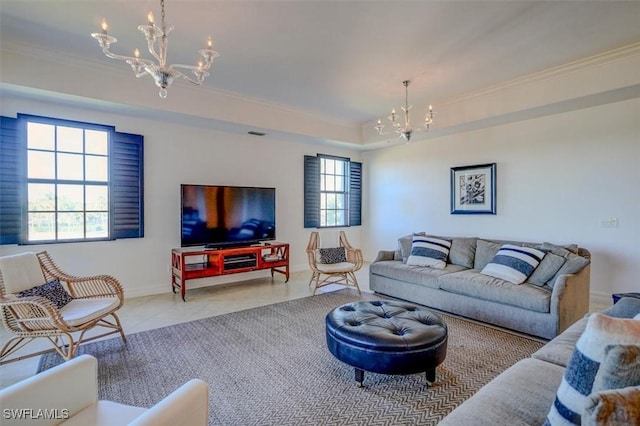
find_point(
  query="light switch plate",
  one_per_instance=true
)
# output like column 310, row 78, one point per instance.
column 610, row 222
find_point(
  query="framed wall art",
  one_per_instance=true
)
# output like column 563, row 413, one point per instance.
column 473, row 189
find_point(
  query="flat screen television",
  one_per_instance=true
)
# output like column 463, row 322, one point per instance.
column 227, row 216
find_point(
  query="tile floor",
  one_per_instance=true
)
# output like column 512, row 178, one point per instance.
column 149, row 312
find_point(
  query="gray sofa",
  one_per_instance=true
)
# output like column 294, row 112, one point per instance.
column 524, row 393
column 554, row 297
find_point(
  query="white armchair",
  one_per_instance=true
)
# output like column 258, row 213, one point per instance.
column 68, row 394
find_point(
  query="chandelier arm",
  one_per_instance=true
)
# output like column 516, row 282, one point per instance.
column 204, row 67
column 185, row 77
column 141, row 73
column 112, row 55
column 152, row 49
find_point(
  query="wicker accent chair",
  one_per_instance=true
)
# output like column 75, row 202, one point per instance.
column 343, row 273
column 95, row 302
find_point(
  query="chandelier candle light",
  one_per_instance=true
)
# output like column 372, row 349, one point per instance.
column 405, row 130
column 157, row 44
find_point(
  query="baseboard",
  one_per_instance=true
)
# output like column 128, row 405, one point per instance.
column 206, row 282
column 145, row 291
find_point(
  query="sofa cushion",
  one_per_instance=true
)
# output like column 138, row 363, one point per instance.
column 572, row 265
column 613, row 407
column 620, row 368
column 577, row 381
column 560, row 348
column 626, row 307
column 404, row 245
column 560, row 250
column 573, row 262
column 513, row 263
column 519, row 396
column 412, row 274
column 429, row 251
column 463, row 251
column 485, row 251
column 472, row 283
column 548, row 267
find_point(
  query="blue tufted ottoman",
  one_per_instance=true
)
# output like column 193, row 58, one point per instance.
column 387, row 337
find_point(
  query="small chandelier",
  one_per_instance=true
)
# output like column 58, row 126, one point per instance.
column 157, row 44
column 405, row 130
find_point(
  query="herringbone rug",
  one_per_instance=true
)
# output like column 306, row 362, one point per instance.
column 270, row 366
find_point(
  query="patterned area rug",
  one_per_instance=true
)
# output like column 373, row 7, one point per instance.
column 270, row 366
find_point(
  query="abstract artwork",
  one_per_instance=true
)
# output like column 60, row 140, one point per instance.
column 473, row 189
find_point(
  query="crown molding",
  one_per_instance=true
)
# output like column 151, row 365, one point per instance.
column 555, row 72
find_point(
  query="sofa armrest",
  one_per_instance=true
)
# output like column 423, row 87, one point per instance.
column 570, row 298
column 68, row 388
column 187, row 405
column 384, row 255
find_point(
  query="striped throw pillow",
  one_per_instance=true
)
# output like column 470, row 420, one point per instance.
column 513, row 263
column 579, row 376
column 429, row 251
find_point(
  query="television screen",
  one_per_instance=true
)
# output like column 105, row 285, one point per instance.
column 219, row 216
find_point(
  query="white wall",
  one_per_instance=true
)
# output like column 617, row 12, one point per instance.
column 557, row 177
column 175, row 154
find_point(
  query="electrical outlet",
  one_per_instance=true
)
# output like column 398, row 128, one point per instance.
column 169, row 267
column 610, row 222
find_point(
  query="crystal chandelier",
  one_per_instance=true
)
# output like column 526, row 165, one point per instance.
column 157, row 44
column 404, row 129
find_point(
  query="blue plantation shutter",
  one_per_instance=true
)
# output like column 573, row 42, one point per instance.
column 311, row 192
column 127, row 186
column 10, row 182
column 355, row 194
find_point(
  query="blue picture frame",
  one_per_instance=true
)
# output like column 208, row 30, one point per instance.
column 473, row 189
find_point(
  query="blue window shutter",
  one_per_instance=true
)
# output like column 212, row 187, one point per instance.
column 127, row 185
column 355, row 193
column 10, row 181
column 311, row 192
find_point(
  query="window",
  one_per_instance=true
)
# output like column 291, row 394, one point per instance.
column 68, row 181
column 332, row 191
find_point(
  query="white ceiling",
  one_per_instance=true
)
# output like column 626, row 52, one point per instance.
column 342, row 60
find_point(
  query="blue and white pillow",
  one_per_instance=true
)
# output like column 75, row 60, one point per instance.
column 429, row 251
column 513, row 263
column 589, row 353
column 53, row 290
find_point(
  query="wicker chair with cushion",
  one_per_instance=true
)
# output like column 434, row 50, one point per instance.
column 37, row 299
column 335, row 265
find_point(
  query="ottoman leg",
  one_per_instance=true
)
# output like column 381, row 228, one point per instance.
column 431, row 375
column 359, row 377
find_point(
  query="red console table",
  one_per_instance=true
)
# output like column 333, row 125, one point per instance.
column 190, row 263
